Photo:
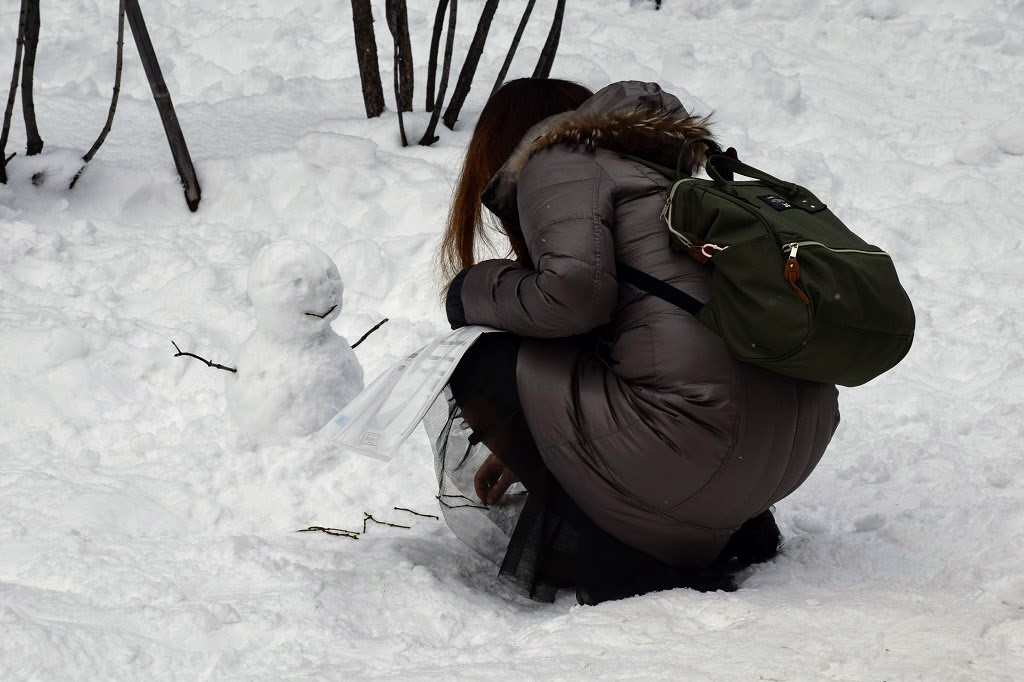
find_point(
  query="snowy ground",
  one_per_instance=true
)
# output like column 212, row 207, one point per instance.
column 142, row 536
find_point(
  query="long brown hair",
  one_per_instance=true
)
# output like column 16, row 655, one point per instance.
column 511, row 111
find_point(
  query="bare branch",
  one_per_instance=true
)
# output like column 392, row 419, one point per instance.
column 435, row 42
column 339, row 532
column 113, row 99
column 208, row 363
column 34, row 143
column 369, row 517
column 512, row 48
column 398, row 24
column 429, row 137
column 9, row 112
column 426, row 516
column 366, row 54
column 547, row 55
column 471, row 505
column 375, row 328
column 465, row 82
column 175, row 138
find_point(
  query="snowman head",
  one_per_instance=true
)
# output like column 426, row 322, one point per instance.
column 295, row 288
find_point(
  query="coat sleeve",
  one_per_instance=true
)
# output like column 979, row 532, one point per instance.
column 566, row 209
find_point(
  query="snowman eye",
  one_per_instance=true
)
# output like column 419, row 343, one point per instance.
column 297, row 282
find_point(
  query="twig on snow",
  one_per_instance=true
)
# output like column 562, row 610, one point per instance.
column 208, row 363
column 370, row 517
column 375, row 328
column 471, row 504
column 339, row 532
column 426, row 516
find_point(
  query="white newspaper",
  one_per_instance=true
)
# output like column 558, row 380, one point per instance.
column 379, row 419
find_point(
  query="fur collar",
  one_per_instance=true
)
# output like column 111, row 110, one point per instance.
column 631, row 117
column 656, row 136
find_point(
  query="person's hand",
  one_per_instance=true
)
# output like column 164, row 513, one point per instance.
column 492, row 480
column 453, row 301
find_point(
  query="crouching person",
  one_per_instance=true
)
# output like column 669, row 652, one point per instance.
column 649, row 455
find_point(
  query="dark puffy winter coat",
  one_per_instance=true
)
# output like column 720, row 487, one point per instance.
column 661, row 436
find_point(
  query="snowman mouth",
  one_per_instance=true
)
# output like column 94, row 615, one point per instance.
column 324, row 315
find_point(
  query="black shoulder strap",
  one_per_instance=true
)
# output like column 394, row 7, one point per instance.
column 655, row 287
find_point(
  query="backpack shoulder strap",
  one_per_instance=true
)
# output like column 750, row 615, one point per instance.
column 655, row 287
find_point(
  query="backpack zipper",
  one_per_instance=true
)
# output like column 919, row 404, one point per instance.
column 792, row 267
column 793, row 246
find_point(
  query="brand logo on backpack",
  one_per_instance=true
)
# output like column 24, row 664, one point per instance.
column 776, row 202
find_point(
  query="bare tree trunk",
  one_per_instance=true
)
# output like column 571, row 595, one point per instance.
column 435, row 42
column 34, row 141
column 512, row 48
column 398, row 23
column 429, row 137
column 113, row 99
column 547, row 55
column 366, row 53
column 395, row 12
column 9, row 112
column 476, row 48
column 175, row 138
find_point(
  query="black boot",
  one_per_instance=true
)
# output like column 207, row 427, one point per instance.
column 756, row 541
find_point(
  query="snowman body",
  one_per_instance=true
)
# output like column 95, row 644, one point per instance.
column 294, row 372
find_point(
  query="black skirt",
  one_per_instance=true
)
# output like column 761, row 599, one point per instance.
column 537, row 536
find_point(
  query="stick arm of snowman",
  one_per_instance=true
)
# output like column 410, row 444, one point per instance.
column 181, row 353
column 372, row 330
column 208, row 363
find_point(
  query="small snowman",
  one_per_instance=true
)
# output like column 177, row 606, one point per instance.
column 294, row 373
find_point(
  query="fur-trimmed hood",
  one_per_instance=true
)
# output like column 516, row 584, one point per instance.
column 632, row 117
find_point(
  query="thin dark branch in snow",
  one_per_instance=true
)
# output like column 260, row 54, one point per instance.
column 547, row 55
column 34, row 143
column 339, row 532
column 514, row 46
column 369, row 517
column 375, row 328
column 113, row 99
column 366, row 55
column 471, row 504
column 208, row 363
column 429, row 137
column 175, row 138
column 426, row 516
column 398, row 24
column 399, row 17
column 435, row 42
column 465, row 82
column 9, row 112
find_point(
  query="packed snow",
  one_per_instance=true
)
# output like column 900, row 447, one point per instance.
column 144, row 535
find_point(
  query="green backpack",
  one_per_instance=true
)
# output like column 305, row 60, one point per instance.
column 793, row 289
